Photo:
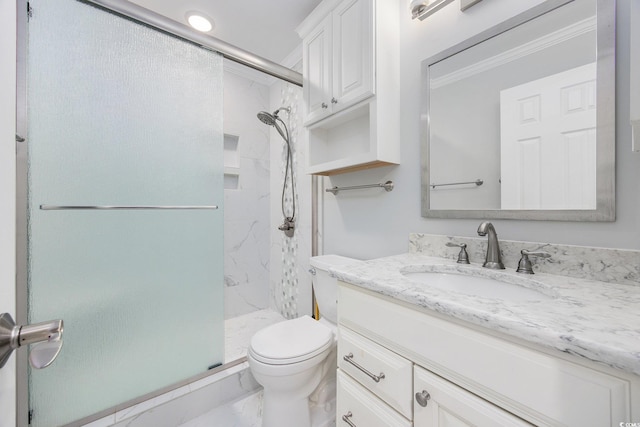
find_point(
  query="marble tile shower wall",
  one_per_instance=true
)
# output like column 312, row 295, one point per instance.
column 285, row 291
column 602, row 264
column 246, row 208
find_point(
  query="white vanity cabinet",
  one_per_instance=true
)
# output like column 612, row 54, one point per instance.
column 351, row 98
column 467, row 376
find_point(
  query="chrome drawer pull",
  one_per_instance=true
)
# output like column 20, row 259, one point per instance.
column 376, row 378
column 346, row 419
column 423, row 398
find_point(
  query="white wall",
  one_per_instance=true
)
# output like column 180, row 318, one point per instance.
column 371, row 224
column 246, row 207
column 7, row 195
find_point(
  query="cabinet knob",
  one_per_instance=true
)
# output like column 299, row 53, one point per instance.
column 423, row 398
column 334, row 101
column 324, row 105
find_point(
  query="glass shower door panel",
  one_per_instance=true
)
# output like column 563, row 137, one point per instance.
column 120, row 114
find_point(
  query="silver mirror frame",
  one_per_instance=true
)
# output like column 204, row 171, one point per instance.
column 605, row 117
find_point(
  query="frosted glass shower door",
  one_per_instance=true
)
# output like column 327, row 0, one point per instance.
column 121, row 115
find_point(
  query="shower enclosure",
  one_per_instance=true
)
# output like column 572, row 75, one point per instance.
column 124, row 205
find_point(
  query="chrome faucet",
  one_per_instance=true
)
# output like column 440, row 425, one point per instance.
column 493, row 259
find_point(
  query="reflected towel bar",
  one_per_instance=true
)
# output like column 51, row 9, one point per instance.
column 77, row 207
column 477, row 182
column 388, row 186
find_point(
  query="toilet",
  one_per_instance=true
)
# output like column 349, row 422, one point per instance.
column 294, row 360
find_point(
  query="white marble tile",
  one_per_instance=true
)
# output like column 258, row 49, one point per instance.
column 602, row 264
column 597, row 321
column 246, row 214
column 243, row 412
column 103, row 422
column 239, row 330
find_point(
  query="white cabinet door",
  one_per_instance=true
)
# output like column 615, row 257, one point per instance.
column 317, row 72
column 353, row 53
column 448, row 405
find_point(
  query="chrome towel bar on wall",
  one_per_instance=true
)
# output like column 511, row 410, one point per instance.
column 388, row 186
column 477, row 182
column 79, row 207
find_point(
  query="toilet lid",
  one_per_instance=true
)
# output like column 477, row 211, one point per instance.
column 290, row 341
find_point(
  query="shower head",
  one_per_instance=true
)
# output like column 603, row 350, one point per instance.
column 267, row 118
column 270, row 118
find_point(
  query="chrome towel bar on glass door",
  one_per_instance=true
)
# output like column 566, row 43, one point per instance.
column 388, row 186
column 124, row 207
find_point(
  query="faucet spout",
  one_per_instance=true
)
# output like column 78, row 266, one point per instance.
column 493, row 259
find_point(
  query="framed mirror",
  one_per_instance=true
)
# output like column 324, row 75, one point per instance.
column 518, row 122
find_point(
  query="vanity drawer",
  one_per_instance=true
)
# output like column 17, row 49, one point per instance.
column 361, row 408
column 380, row 370
column 533, row 385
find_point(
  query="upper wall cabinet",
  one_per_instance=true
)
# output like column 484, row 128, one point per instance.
column 338, row 60
column 346, row 92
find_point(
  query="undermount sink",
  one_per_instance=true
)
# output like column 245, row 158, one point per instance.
column 474, row 285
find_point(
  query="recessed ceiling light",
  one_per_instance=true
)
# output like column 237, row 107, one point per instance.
column 199, row 21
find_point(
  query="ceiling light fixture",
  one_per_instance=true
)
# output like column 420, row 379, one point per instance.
column 199, row 21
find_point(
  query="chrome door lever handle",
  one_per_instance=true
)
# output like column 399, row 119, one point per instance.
column 14, row 336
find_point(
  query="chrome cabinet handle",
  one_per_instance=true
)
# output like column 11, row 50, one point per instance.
column 346, row 419
column 324, row 105
column 376, row 378
column 334, row 101
column 423, row 398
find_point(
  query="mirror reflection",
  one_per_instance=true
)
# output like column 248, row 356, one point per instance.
column 512, row 120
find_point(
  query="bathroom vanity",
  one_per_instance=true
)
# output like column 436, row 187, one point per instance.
column 567, row 353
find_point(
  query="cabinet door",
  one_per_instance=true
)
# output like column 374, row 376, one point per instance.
column 353, row 53
column 317, row 72
column 448, row 405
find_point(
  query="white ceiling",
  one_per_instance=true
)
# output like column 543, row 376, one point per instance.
column 263, row 27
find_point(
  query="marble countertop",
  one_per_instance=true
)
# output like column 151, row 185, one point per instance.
column 594, row 320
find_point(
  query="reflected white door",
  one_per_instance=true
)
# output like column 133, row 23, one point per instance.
column 548, row 142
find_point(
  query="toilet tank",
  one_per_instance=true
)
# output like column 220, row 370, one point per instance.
column 325, row 286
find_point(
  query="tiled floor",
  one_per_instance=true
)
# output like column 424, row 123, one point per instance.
column 244, row 412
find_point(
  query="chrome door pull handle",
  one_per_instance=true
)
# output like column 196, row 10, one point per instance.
column 346, row 419
column 376, row 378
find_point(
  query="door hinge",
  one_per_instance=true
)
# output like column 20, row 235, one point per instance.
column 29, row 11
column 30, row 415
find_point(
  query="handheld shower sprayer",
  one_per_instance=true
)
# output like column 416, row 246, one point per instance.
column 272, row 119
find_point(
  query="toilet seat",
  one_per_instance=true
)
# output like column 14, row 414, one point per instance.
column 291, row 341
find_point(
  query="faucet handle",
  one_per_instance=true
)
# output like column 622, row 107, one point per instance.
column 524, row 265
column 463, row 256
